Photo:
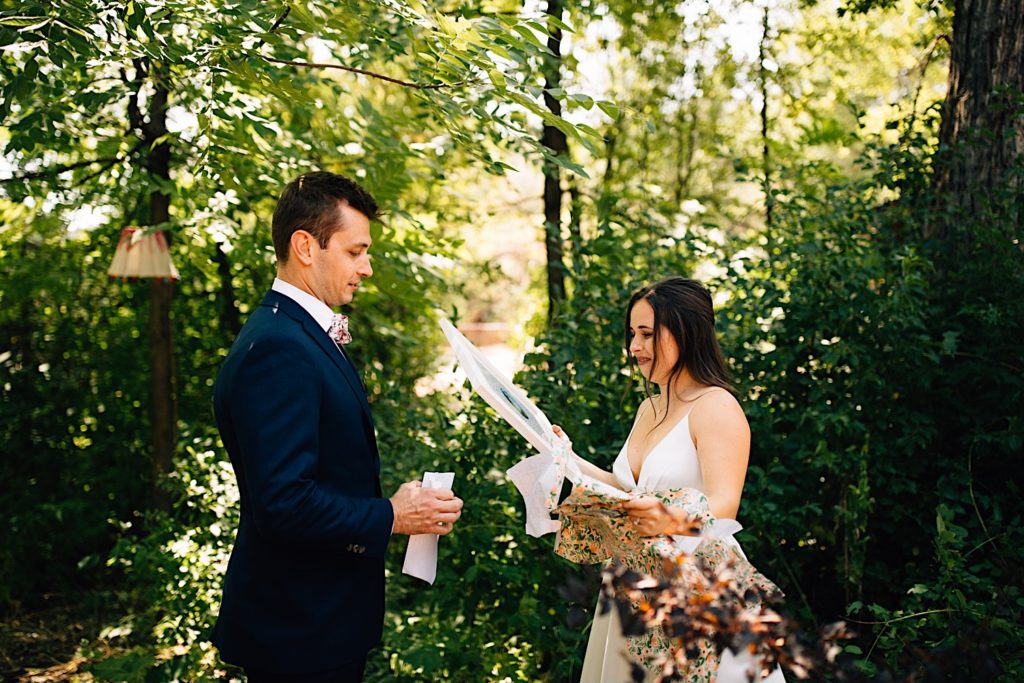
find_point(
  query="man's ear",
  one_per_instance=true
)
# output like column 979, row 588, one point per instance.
column 302, row 245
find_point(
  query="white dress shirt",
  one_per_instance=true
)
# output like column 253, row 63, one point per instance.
column 321, row 312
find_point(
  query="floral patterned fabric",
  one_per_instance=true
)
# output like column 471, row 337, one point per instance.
column 339, row 329
column 595, row 528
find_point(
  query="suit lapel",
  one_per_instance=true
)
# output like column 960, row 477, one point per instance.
column 299, row 315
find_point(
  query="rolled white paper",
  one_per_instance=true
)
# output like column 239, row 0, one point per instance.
column 421, row 553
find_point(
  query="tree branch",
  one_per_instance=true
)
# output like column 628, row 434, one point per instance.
column 107, row 166
column 371, row 74
column 108, row 162
column 923, row 68
column 280, row 20
column 276, row 25
column 135, row 119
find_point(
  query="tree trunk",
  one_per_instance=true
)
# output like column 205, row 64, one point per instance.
column 769, row 199
column 683, row 157
column 164, row 404
column 230, row 319
column 556, row 142
column 982, row 130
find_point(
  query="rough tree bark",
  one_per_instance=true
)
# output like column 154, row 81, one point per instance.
column 983, row 120
column 558, row 145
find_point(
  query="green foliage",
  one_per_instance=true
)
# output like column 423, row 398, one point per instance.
column 874, row 487
column 878, row 365
column 846, row 343
column 175, row 572
column 246, row 113
column 884, row 422
column 73, row 414
column 494, row 612
column 79, row 104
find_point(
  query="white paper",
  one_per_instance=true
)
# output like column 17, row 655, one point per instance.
column 421, row 553
column 508, row 400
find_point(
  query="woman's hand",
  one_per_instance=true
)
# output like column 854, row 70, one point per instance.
column 651, row 517
column 586, row 467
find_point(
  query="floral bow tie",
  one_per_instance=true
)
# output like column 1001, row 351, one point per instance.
column 339, row 329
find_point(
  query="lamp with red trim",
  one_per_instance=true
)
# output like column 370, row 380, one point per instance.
column 142, row 253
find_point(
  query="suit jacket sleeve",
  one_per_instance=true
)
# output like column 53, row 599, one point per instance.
column 275, row 408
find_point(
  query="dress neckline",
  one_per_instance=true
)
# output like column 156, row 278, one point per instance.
column 637, row 477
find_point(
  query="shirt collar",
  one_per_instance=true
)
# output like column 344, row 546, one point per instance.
column 321, row 312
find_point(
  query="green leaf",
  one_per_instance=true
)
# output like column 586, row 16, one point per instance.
column 582, row 100
column 529, row 35
column 949, row 343
column 497, row 79
column 20, row 21
column 568, row 165
column 609, row 108
column 558, row 23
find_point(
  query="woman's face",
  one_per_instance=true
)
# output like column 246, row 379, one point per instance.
column 643, row 339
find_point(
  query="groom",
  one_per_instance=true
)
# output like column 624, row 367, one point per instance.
column 304, row 589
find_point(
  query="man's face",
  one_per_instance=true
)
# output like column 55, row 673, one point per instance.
column 338, row 269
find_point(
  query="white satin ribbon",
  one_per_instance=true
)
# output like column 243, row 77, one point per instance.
column 719, row 529
column 539, row 479
column 535, row 477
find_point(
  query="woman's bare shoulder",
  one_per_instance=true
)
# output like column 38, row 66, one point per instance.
column 719, row 429
column 645, row 409
column 718, row 405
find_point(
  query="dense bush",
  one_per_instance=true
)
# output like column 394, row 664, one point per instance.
column 885, row 394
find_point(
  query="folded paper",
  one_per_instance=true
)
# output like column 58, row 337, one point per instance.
column 421, row 553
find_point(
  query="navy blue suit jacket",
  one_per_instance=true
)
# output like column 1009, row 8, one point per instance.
column 304, row 589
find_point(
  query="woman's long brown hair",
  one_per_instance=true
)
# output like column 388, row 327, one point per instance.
column 683, row 308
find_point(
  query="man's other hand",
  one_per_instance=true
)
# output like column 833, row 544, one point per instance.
column 421, row 510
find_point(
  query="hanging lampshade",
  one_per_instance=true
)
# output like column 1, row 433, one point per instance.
column 142, row 253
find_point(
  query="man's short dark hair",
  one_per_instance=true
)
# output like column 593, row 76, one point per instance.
column 311, row 202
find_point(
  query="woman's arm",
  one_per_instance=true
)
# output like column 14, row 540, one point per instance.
column 588, row 468
column 591, row 470
column 722, row 437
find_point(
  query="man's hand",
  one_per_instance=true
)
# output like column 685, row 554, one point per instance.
column 421, row 510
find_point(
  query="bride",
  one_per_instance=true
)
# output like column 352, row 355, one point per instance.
column 689, row 435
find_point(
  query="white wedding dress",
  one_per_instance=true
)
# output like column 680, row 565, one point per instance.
column 671, row 464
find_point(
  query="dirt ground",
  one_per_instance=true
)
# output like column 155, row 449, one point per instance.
column 41, row 644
